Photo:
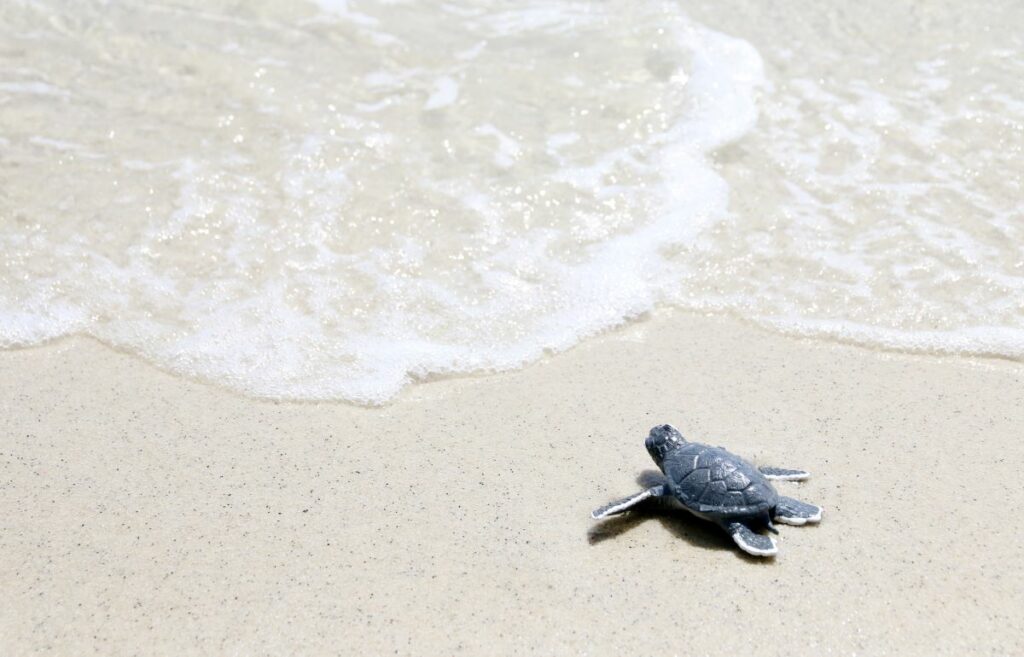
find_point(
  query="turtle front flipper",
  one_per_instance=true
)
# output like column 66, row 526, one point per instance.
column 794, row 512
column 619, row 506
column 750, row 541
column 784, row 474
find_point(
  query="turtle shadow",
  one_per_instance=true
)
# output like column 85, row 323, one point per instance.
column 673, row 517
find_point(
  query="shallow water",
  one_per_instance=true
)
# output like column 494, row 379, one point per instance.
column 328, row 200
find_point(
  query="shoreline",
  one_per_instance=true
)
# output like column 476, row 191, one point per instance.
column 615, row 332
column 146, row 513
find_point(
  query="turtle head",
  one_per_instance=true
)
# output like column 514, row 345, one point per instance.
column 663, row 439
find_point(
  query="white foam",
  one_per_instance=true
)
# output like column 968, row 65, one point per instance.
column 446, row 91
column 468, row 190
column 508, row 148
column 33, row 87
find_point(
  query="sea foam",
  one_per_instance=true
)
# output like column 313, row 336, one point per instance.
column 462, row 187
column 330, row 200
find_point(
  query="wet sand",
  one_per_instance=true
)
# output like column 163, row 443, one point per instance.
column 145, row 514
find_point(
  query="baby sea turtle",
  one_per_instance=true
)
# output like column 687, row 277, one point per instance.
column 719, row 486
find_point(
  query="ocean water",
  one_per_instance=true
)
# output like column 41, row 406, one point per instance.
column 331, row 199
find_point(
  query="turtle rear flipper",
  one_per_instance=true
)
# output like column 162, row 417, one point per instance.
column 620, row 506
column 785, row 474
column 794, row 512
column 749, row 541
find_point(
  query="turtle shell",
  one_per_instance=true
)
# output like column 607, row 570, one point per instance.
column 714, row 482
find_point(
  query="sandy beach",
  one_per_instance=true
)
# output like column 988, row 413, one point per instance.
column 325, row 325
column 145, row 514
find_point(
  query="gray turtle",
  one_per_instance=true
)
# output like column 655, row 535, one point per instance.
column 719, row 486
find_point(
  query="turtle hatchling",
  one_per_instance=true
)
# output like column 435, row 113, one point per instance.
column 716, row 485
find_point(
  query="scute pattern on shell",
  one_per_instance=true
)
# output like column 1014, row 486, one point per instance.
column 713, row 481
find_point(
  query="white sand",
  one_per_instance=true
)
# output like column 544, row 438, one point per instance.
column 144, row 514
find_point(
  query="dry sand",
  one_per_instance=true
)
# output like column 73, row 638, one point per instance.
column 144, row 514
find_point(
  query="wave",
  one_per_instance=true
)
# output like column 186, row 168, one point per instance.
column 331, row 200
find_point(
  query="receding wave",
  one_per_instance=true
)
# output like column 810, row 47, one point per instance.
column 324, row 202
column 329, row 200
